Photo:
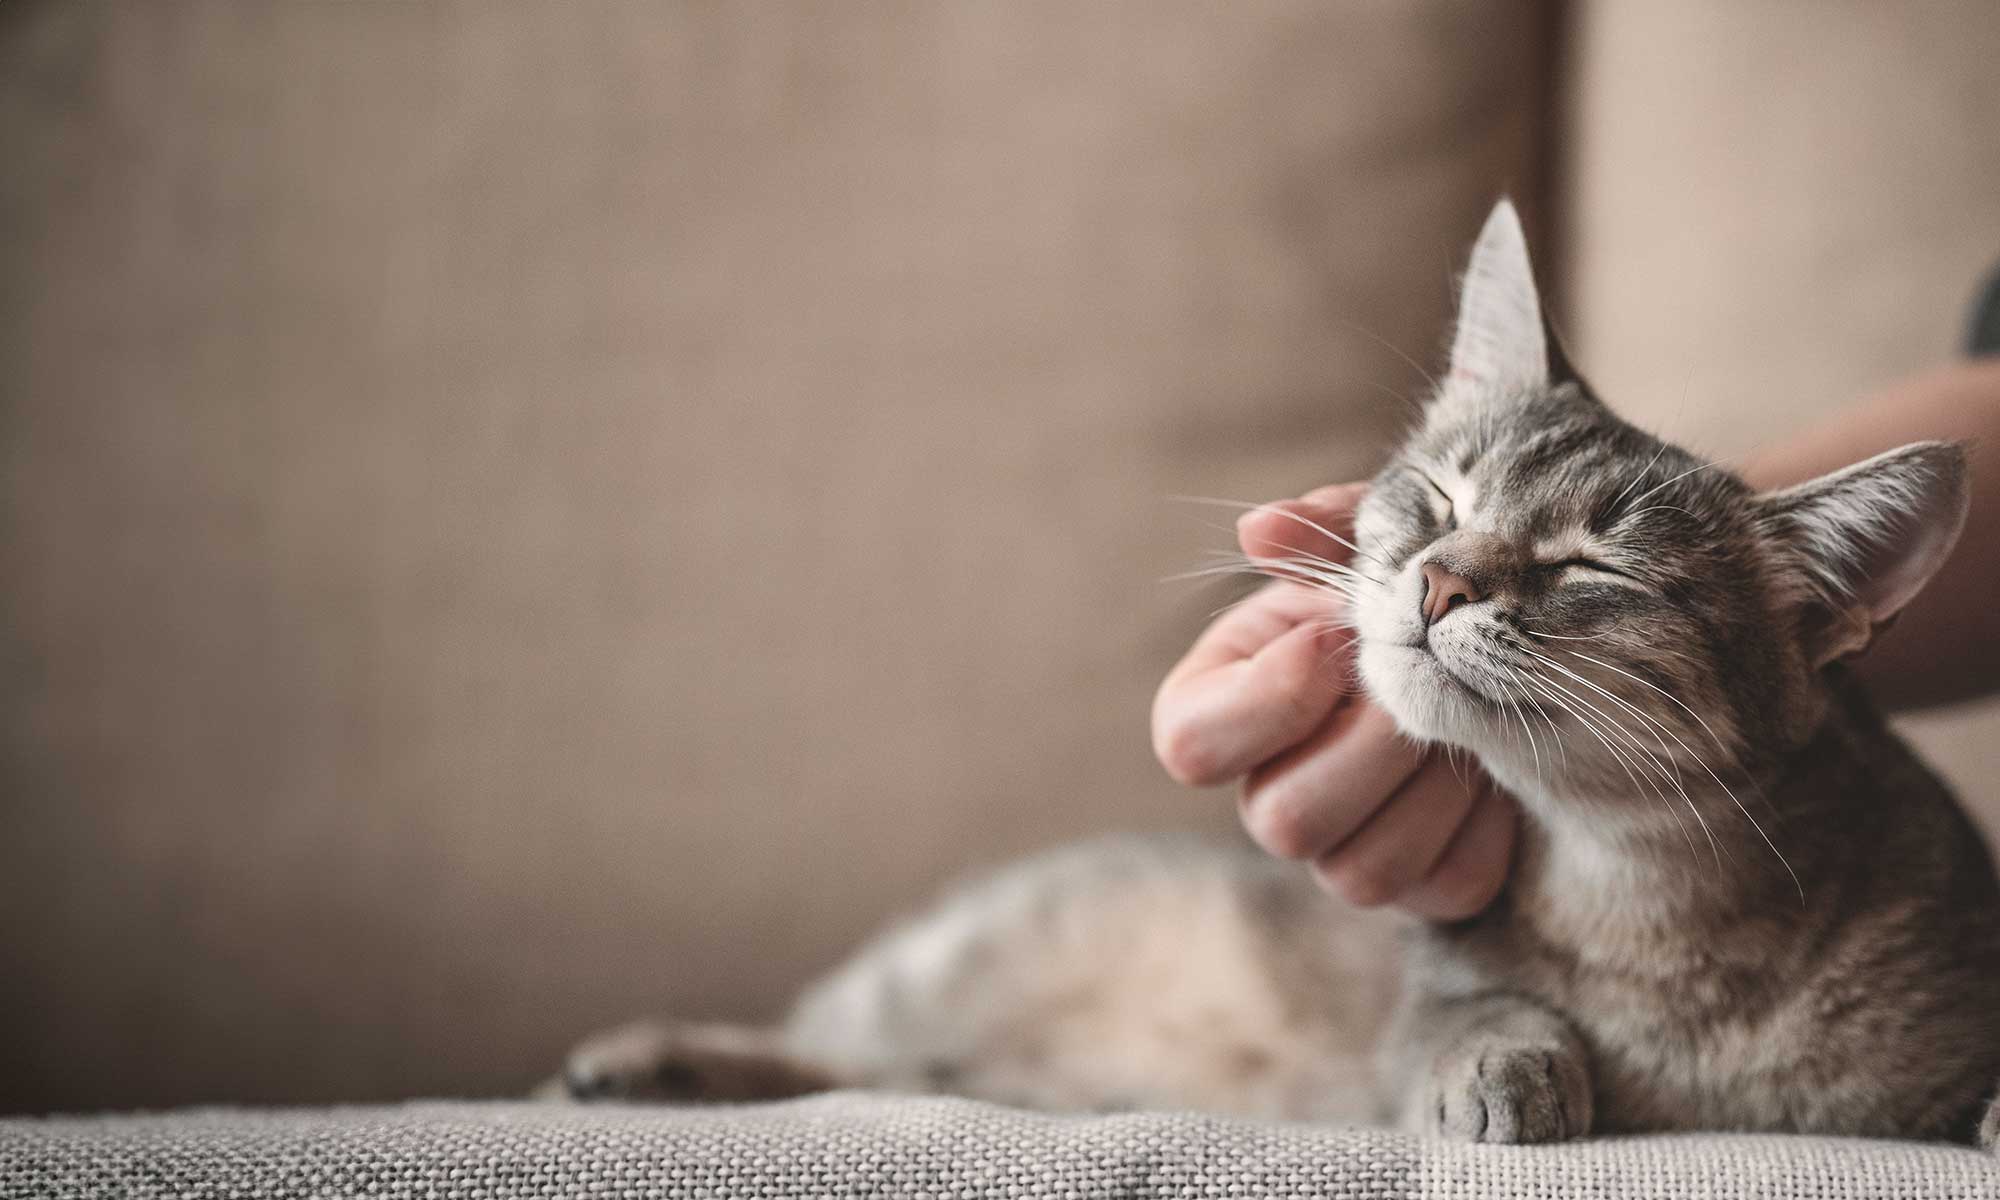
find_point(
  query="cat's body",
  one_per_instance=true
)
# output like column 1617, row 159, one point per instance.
column 1130, row 971
column 1740, row 902
column 1864, row 1000
column 1157, row 972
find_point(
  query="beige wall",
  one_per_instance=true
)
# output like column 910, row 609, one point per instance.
column 518, row 515
column 1777, row 208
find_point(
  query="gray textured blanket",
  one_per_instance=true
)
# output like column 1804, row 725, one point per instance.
column 853, row 1144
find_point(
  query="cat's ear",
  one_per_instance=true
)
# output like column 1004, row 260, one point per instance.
column 1865, row 540
column 1503, row 343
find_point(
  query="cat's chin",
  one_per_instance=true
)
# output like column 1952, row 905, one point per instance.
column 1429, row 702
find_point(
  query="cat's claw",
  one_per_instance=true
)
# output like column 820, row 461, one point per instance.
column 1511, row 1092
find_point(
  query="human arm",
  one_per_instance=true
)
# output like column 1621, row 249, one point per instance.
column 1945, row 646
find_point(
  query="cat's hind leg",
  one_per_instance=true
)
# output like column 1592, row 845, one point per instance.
column 682, row 1063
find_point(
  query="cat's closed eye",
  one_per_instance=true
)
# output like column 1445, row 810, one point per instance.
column 1589, row 564
column 1593, row 568
column 1441, row 505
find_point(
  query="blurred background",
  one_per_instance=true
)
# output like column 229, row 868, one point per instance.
column 518, row 516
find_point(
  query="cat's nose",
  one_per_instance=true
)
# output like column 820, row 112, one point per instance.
column 1445, row 590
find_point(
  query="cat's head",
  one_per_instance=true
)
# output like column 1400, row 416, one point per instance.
column 1594, row 611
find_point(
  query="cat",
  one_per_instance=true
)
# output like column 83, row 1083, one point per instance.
column 1739, row 901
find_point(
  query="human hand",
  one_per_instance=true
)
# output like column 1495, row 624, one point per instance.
column 1268, row 695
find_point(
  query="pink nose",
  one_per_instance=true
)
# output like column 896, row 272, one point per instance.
column 1445, row 590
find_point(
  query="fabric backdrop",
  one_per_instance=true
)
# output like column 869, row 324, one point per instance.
column 520, row 515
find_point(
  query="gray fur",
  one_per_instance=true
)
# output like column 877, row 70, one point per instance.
column 1740, row 901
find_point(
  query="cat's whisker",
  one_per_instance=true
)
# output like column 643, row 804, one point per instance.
column 1650, row 760
column 1648, row 720
column 1636, row 478
column 1240, row 600
column 1289, row 570
column 1570, row 637
column 1621, row 757
column 1733, row 798
column 1393, row 394
column 1309, row 573
column 1396, row 350
column 1340, row 613
column 1288, row 514
column 1333, row 655
column 1726, row 789
column 1676, row 479
column 1555, row 733
column 1526, row 683
column 1633, row 516
column 1612, row 722
column 1270, row 566
column 1533, row 747
column 1267, row 569
column 1341, row 568
column 1719, row 744
column 1655, row 651
column 1328, row 563
column 1344, row 568
column 1451, row 760
column 1301, row 573
column 1648, row 764
column 1585, row 724
column 1505, row 703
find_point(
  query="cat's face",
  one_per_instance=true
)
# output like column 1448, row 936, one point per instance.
column 1599, row 614
column 1549, row 577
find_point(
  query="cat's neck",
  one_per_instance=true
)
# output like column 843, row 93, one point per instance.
column 1612, row 878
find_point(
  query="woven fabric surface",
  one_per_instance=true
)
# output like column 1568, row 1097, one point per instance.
column 861, row 1145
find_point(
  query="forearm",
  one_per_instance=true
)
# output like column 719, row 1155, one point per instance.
column 1946, row 646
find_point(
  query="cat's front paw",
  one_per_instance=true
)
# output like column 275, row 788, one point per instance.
column 1506, row 1091
column 641, row 1061
column 685, row 1063
column 1989, row 1129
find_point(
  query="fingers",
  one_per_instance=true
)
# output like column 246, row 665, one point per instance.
column 1383, row 822
column 1265, row 675
column 1400, row 843
column 1474, row 866
column 1314, row 796
column 1251, row 625
column 1259, row 680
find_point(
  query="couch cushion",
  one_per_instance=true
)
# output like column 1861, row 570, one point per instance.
column 867, row 1146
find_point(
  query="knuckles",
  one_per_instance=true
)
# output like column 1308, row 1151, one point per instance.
column 1186, row 755
column 1279, row 822
column 1462, row 891
column 1358, row 881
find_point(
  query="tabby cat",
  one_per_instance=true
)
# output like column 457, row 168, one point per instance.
column 1740, row 902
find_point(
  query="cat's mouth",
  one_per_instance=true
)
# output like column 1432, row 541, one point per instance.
column 1427, row 662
